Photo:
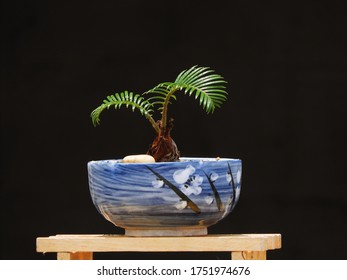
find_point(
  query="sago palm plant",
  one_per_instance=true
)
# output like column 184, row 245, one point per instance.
column 201, row 82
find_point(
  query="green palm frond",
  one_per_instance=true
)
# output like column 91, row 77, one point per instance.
column 128, row 99
column 162, row 94
column 205, row 85
column 202, row 82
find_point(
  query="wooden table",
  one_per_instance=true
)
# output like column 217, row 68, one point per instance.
column 81, row 247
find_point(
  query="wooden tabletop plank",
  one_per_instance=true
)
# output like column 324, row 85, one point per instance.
column 121, row 243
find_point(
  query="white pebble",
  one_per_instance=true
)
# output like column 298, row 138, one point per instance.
column 138, row 159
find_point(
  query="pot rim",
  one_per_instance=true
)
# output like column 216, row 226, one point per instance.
column 182, row 160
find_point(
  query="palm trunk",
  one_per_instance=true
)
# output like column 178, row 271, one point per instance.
column 164, row 147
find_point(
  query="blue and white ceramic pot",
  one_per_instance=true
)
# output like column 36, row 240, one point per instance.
column 165, row 198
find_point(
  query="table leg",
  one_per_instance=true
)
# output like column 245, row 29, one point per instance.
column 75, row 256
column 248, row 255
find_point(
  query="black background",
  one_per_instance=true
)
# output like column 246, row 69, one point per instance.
column 285, row 63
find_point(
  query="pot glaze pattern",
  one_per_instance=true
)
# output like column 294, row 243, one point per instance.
column 191, row 193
